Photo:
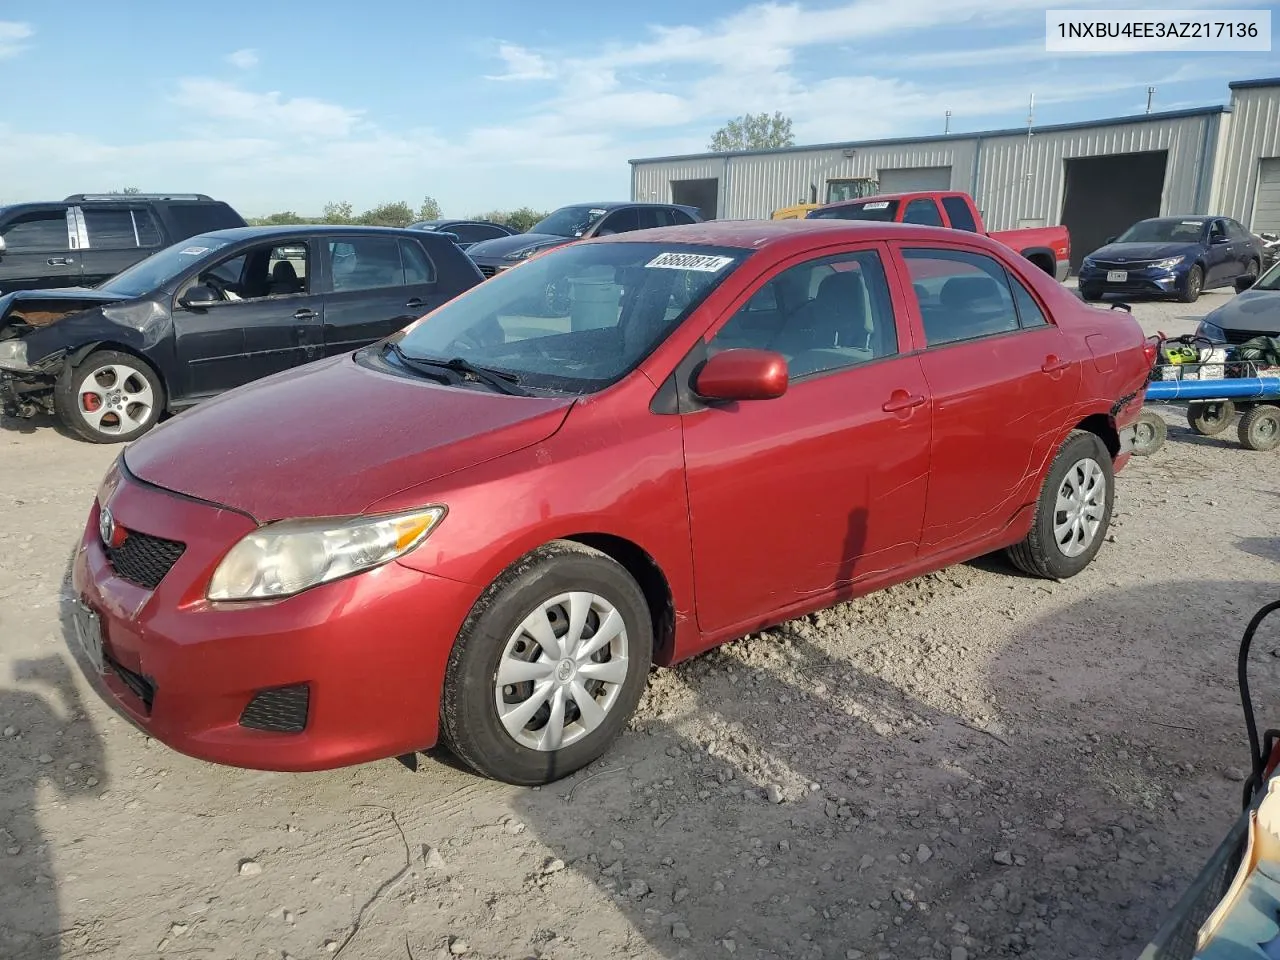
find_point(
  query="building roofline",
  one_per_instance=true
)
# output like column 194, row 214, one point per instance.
column 1248, row 84
column 961, row 137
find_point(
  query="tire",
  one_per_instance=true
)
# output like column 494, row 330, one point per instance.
column 1060, row 545
column 1252, row 269
column 1091, row 294
column 1210, row 417
column 1194, row 286
column 495, row 636
column 1152, row 432
column 130, row 397
column 1260, row 427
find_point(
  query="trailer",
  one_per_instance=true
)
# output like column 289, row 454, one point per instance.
column 1216, row 385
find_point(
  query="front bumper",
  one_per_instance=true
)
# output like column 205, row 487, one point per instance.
column 1151, row 283
column 23, row 395
column 370, row 650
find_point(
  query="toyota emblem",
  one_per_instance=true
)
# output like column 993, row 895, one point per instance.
column 106, row 526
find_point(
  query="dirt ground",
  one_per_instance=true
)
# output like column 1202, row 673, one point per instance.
column 973, row 764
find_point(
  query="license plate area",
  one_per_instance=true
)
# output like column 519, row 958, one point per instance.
column 88, row 627
column 1117, row 276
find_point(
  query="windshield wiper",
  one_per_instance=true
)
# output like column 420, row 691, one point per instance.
column 507, row 383
column 413, row 363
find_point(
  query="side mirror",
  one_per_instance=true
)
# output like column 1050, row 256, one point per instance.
column 199, row 297
column 1109, row 240
column 742, row 375
column 1244, row 283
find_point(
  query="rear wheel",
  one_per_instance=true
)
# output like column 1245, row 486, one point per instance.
column 1260, row 427
column 548, row 667
column 1149, row 433
column 1194, row 285
column 1210, row 417
column 109, row 397
column 1073, row 512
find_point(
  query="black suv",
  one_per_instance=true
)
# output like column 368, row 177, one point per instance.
column 89, row 237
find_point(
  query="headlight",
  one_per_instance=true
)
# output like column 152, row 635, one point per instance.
column 281, row 559
column 1168, row 264
column 1211, row 331
column 524, row 254
column 1087, row 262
column 13, row 355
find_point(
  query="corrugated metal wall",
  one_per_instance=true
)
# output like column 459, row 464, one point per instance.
column 991, row 169
column 757, row 184
column 1005, row 200
column 1254, row 134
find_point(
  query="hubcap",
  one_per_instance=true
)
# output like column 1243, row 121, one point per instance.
column 1266, row 428
column 115, row 399
column 1082, row 501
column 561, row 671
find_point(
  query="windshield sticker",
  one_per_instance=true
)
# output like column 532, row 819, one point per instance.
column 597, row 213
column 704, row 263
column 878, row 205
column 192, row 251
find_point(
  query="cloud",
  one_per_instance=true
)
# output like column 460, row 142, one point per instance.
column 245, row 59
column 522, row 64
column 271, row 112
column 13, row 37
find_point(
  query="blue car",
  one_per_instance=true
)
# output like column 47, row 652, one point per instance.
column 1171, row 257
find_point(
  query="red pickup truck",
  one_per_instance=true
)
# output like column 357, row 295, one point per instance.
column 1049, row 248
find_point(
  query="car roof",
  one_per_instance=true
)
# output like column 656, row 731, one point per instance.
column 908, row 194
column 758, row 234
column 236, row 234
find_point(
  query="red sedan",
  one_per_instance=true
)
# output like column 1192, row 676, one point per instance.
column 485, row 529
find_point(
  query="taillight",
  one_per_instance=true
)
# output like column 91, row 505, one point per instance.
column 1151, row 347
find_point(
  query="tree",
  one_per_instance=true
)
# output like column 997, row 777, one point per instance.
column 753, row 131
column 430, row 210
column 398, row 214
column 339, row 212
column 521, row 219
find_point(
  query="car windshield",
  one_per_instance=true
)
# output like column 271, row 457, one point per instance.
column 576, row 319
column 1269, row 280
column 161, row 267
column 569, row 221
column 871, row 210
column 1163, row 231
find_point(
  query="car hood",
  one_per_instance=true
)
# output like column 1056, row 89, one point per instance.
column 39, row 308
column 1253, row 310
column 333, row 437
column 500, row 247
column 1144, row 251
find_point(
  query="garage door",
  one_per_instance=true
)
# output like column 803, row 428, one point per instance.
column 1266, row 209
column 904, row 179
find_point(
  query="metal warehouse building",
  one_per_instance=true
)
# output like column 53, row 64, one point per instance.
column 1096, row 178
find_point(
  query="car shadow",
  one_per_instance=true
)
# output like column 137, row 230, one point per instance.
column 1268, row 548
column 48, row 743
column 802, row 795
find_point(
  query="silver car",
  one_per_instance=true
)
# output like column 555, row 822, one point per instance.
column 1253, row 312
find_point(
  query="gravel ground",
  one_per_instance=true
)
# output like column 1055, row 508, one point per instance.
column 972, row 764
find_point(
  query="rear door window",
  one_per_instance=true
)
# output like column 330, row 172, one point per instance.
column 620, row 221
column 417, row 266
column 365, row 263
column 110, row 228
column 958, row 213
column 962, row 296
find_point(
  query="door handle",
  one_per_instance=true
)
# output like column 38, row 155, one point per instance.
column 305, row 314
column 1053, row 365
column 59, row 261
column 901, row 400
column 416, row 302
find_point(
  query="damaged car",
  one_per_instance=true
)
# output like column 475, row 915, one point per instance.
column 211, row 313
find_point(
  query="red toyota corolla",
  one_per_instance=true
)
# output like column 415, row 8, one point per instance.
column 485, row 529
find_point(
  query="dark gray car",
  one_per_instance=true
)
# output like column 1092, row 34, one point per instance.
column 1253, row 312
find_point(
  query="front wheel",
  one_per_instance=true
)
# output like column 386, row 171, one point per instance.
column 1091, row 294
column 1210, row 417
column 1260, row 427
column 548, row 667
column 109, row 397
column 1192, row 288
column 1073, row 512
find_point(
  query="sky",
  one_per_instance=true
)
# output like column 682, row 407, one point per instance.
column 282, row 106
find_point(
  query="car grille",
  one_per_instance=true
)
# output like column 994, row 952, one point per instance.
column 1238, row 337
column 139, row 686
column 1129, row 265
column 144, row 559
column 487, row 269
column 280, row 710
